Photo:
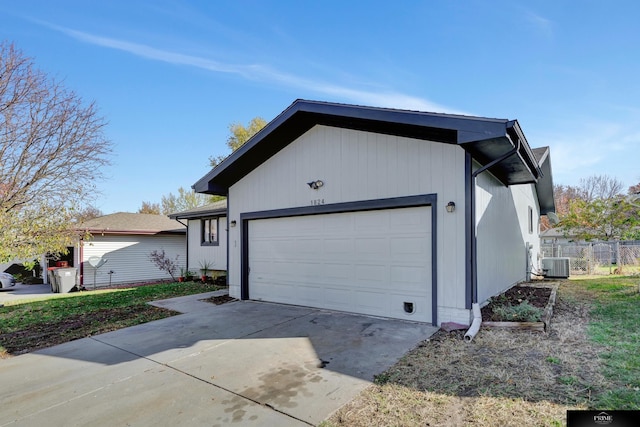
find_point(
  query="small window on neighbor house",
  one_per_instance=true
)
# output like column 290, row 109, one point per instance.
column 210, row 231
column 530, row 220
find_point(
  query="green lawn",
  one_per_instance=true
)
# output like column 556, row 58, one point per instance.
column 615, row 325
column 29, row 325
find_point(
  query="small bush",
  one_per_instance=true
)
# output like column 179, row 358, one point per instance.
column 523, row 312
column 164, row 263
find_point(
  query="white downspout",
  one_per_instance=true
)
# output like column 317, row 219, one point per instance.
column 475, row 324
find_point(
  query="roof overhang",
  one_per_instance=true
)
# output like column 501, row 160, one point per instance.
column 484, row 138
column 199, row 214
column 544, row 186
column 101, row 231
column 214, row 209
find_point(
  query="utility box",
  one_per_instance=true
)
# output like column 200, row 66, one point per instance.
column 65, row 279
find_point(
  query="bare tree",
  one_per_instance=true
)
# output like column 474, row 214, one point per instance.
column 52, row 149
column 600, row 187
column 86, row 214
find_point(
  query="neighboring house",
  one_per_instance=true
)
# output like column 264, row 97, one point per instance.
column 206, row 235
column 556, row 236
column 126, row 240
column 401, row 214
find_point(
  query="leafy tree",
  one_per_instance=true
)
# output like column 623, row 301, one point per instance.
column 184, row 200
column 150, row 208
column 603, row 219
column 52, row 149
column 589, row 189
column 239, row 134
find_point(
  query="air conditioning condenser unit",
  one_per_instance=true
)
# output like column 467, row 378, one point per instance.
column 557, row 267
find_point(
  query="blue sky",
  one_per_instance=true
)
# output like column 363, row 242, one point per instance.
column 171, row 76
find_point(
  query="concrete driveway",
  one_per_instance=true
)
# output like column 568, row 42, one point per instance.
column 243, row 363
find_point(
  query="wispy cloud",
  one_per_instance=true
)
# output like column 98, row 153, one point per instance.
column 540, row 23
column 588, row 146
column 261, row 72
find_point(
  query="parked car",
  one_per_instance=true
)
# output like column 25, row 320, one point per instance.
column 7, row 280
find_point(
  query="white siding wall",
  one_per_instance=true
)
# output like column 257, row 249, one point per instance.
column 216, row 255
column 502, row 220
column 129, row 257
column 356, row 165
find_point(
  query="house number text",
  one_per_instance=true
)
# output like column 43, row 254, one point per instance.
column 316, row 202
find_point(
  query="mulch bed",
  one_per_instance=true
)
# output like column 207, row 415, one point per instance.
column 220, row 299
column 537, row 297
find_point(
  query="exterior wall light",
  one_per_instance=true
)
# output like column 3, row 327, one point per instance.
column 451, row 206
column 233, row 223
column 314, row 185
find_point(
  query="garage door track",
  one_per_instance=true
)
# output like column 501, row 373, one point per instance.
column 243, row 363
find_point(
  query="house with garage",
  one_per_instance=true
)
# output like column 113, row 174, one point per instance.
column 402, row 214
column 206, row 236
column 124, row 241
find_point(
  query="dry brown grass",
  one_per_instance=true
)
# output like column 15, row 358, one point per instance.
column 503, row 377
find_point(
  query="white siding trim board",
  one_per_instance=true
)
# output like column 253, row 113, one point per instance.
column 377, row 204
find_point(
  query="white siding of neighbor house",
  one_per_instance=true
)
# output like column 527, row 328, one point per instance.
column 128, row 257
column 356, row 166
column 216, row 255
column 502, row 219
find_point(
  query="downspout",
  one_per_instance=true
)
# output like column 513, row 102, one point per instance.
column 477, row 318
column 475, row 324
column 81, row 261
column 187, row 251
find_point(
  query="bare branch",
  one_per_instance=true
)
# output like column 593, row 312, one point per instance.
column 52, row 150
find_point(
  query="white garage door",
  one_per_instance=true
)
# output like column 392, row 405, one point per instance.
column 369, row 262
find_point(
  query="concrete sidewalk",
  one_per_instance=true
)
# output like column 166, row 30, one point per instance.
column 246, row 363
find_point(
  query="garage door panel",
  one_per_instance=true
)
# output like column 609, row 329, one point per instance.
column 407, row 277
column 371, row 302
column 338, row 271
column 337, row 224
column 338, row 298
column 372, row 273
column 414, row 246
column 369, row 262
column 338, row 247
column 366, row 248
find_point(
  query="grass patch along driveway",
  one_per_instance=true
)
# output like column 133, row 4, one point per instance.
column 30, row 325
column 589, row 360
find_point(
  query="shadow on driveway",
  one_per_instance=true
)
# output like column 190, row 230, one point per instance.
column 293, row 362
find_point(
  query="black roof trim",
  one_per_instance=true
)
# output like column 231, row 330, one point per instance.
column 218, row 208
column 544, row 186
column 485, row 138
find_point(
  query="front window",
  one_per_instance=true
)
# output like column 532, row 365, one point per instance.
column 210, row 231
